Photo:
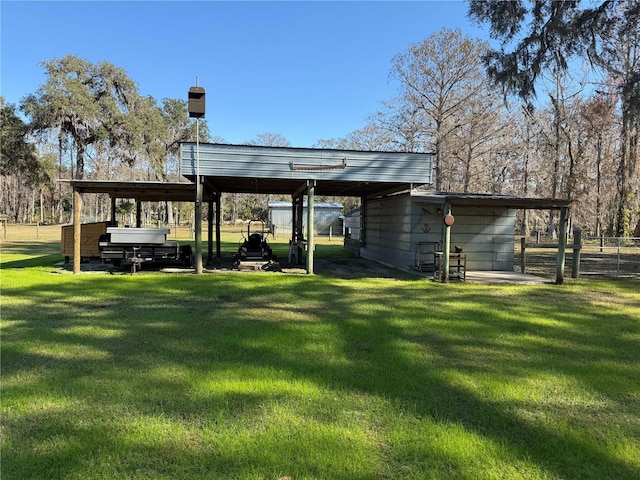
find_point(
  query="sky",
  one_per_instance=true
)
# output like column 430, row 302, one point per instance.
column 305, row 70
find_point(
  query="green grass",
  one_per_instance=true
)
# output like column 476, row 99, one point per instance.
column 262, row 375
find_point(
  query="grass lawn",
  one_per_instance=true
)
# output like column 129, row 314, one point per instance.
column 265, row 375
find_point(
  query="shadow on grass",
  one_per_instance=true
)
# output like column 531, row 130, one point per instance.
column 168, row 376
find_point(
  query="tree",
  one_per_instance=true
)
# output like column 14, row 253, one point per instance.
column 269, row 139
column 542, row 34
column 18, row 155
column 88, row 102
column 24, row 174
column 598, row 114
column 438, row 77
column 478, row 136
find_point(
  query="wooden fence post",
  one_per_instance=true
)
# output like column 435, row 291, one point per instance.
column 523, row 258
column 562, row 243
column 577, row 245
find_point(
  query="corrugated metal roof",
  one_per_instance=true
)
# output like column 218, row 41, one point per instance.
column 140, row 190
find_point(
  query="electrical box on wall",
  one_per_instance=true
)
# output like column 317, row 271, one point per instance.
column 196, row 102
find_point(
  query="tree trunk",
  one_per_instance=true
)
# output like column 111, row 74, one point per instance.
column 80, row 149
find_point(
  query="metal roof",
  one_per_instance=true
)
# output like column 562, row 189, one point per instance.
column 491, row 200
column 142, row 191
column 281, row 170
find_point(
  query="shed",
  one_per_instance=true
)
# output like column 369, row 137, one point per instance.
column 326, row 217
column 392, row 230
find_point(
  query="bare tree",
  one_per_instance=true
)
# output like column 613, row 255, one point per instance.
column 438, row 78
column 541, row 34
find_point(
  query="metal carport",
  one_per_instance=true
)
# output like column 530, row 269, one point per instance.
column 222, row 168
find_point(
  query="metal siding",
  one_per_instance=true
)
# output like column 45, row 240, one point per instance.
column 396, row 224
column 257, row 162
column 325, row 215
column 486, row 235
column 388, row 239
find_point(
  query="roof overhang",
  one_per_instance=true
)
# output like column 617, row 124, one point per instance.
column 141, row 191
column 488, row 200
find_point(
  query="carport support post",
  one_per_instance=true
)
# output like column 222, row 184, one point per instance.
column 299, row 228
column 114, row 218
column 210, row 231
column 77, row 229
column 310, row 215
column 562, row 242
column 198, row 226
column 218, row 220
column 138, row 213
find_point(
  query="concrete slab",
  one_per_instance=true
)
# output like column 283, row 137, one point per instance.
column 493, row 277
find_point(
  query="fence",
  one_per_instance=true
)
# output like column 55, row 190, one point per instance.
column 610, row 256
column 585, row 256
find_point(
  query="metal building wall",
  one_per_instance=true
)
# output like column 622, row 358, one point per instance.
column 326, row 216
column 396, row 224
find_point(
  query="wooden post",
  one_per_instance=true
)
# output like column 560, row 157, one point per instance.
column 77, row 229
column 562, row 242
column 310, row 235
column 523, row 258
column 577, row 245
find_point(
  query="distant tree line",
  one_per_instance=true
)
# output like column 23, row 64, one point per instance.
column 552, row 111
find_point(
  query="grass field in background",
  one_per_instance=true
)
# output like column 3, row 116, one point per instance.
column 263, row 375
column 230, row 238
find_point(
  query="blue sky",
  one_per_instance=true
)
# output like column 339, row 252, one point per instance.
column 305, row 70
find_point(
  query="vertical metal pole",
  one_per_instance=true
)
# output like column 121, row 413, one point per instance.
column 210, row 231
column 77, row 229
column 218, row 221
column 300, row 227
column 198, row 226
column 363, row 221
column 310, row 229
column 139, row 213
column 114, row 218
column 562, row 242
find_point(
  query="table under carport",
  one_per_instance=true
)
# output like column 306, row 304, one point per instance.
column 139, row 191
